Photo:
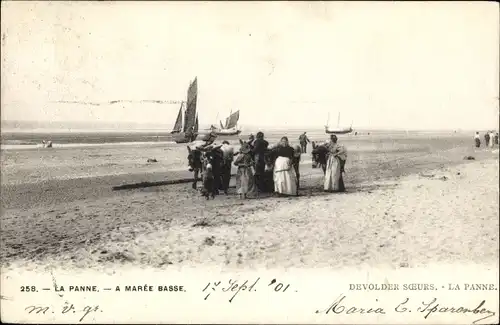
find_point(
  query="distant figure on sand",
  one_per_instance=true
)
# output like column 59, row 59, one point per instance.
column 487, row 139
column 496, row 138
column 47, row 144
column 259, row 150
column 477, row 139
column 304, row 140
column 337, row 155
column 245, row 174
column 492, row 139
column 285, row 179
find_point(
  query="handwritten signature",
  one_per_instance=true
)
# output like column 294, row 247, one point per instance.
column 67, row 308
column 427, row 308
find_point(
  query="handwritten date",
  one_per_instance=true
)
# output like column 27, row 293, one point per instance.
column 235, row 286
column 68, row 308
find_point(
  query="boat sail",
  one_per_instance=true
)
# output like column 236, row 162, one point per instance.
column 190, row 116
column 178, row 122
column 232, row 120
column 196, row 124
column 229, row 128
column 190, row 127
column 338, row 129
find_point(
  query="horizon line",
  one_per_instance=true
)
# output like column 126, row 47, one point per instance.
column 131, row 126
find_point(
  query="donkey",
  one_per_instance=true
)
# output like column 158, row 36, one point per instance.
column 319, row 157
column 195, row 162
column 201, row 158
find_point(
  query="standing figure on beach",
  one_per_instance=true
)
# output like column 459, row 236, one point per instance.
column 496, row 138
column 477, row 139
column 267, row 178
column 296, row 164
column 227, row 161
column 492, row 139
column 313, row 160
column 337, row 155
column 245, row 175
column 285, row 179
column 304, row 140
column 487, row 139
column 259, row 149
column 251, row 140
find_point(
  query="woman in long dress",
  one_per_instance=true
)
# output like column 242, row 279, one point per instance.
column 334, row 181
column 245, row 174
column 285, row 179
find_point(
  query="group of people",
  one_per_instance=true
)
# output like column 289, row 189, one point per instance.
column 264, row 168
column 490, row 139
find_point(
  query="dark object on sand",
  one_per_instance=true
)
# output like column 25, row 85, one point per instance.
column 159, row 183
column 47, row 144
column 152, row 160
column 469, row 158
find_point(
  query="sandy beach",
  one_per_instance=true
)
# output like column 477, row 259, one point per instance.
column 407, row 203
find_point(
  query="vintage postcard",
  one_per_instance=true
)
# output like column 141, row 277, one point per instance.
column 250, row 162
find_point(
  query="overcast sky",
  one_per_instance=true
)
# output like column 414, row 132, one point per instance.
column 401, row 65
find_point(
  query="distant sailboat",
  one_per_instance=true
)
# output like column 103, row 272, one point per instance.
column 230, row 128
column 190, row 126
column 338, row 129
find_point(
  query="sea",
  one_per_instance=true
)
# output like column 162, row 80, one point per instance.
column 12, row 139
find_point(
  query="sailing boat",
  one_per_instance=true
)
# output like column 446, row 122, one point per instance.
column 230, row 127
column 190, row 126
column 178, row 122
column 338, row 129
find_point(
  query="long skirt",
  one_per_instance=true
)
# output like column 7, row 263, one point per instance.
column 492, row 141
column 244, row 180
column 333, row 176
column 285, row 180
column 478, row 143
column 226, row 176
column 260, row 168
